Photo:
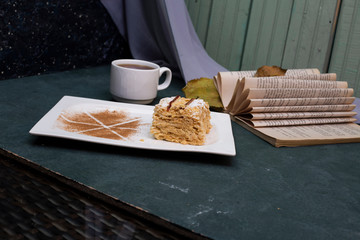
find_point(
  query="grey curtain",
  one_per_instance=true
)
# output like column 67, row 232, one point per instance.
column 161, row 31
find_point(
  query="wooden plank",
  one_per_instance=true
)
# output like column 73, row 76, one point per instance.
column 227, row 31
column 246, row 34
column 345, row 58
column 267, row 31
column 310, row 29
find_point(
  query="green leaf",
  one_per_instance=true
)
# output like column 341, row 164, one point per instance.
column 205, row 89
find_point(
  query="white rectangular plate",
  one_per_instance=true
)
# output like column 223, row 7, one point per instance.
column 220, row 140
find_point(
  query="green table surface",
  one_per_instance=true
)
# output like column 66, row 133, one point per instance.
column 263, row 192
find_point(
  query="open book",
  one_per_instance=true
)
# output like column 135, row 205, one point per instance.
column 303, row 107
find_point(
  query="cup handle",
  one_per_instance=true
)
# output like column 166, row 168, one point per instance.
column 167, row 81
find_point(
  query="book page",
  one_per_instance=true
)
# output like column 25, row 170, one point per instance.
column 249, row 104
column 261, row 93
column 299, row 101
column 312, row 134
column 249, row 82
column 295, row 122
column 294, row 105
column 225, row 82
column 278, row 93
column 295, row 115
column 276, row 83
column 321, row 77
column 253, row 88
column 305, row 71
column 292, row 136
column 307, row 108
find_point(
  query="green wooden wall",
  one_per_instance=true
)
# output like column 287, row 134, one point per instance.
column 345, row 57
column 246, row 34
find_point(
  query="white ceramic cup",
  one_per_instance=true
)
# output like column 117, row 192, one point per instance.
column 129, row 84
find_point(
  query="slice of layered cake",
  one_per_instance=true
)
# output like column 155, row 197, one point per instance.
column 181, row 120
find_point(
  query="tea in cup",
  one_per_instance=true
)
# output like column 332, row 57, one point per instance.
column 137, row 81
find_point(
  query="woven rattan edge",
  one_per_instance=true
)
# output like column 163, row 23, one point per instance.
column 97, row 196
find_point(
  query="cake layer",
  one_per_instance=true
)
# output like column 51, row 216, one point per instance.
column 181, row 120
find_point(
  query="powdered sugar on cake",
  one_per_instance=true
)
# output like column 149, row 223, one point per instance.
column 195, row 103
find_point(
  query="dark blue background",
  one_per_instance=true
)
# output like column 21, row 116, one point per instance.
column 38, row 36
